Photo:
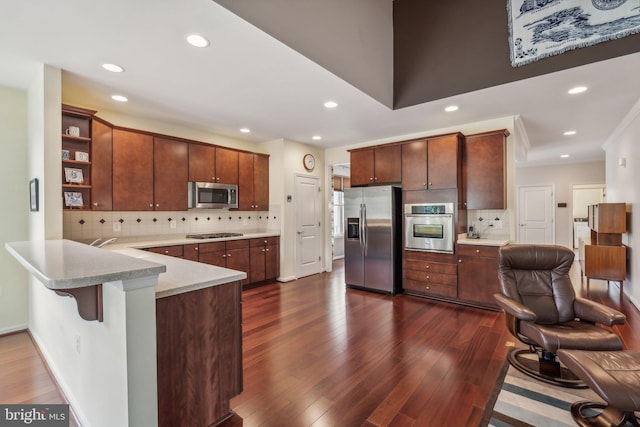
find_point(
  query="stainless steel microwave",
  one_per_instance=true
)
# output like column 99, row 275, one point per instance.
column 211, row 195
column 429, row 227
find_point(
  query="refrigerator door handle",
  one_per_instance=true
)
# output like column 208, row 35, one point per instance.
column 365, row 229
column 360, row 231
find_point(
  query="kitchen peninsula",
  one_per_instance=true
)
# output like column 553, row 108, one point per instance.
column 166, row 348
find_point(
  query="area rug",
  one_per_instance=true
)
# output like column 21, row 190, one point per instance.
column 524, row 401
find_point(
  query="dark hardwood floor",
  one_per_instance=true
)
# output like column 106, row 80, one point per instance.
column 317, row 354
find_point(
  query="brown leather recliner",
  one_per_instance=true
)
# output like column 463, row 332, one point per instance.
column 542, row 311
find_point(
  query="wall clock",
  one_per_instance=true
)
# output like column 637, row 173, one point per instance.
column 309, row 162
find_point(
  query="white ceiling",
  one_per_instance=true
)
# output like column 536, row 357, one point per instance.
column 247, row 78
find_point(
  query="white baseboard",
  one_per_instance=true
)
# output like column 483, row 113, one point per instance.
column 286, row 279
column 12, row 329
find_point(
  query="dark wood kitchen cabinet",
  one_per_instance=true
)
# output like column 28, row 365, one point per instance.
column 478, row 275
column 265, row 259
column 101, row 172
column 379, row 165
column 253, row 182
column 484, row 170
column 233, row 254
column 132, row 171
column 170, row 174
column 432, row 164
column 429, row 274
column 199, row 355
column 208, row 163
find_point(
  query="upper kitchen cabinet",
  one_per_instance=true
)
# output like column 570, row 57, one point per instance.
column 253, row 182
column 101, row 172
column 76, row 157
column 170, row 174
column 432, row 163
column 379, row 165
column 133, row 171
column 484, row 161
column 208, row 163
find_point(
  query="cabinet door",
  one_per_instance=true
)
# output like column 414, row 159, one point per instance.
column 260, row 182
column 443, row 162
column 202, row 163
column 258, row 261
column 238, row 259
column 218, row 258
column 485, row 173
column 190, row 252
column 101, row 163
column 245, row 182
column 414, row 165
column 132, row 171
column 388, row 164
column 478, row 274
column 170, row 172
column 362, row 164
column 226, row 166
column 272, row 262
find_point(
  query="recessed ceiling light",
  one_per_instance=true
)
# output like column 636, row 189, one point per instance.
column 564, row 156
column 330, row 104
column 451, row 108
column 577, row 89
column 119, row 98
column 197, row 40
column 245, row 130
column 570, row 132
column 113, row 68
column 316, row 137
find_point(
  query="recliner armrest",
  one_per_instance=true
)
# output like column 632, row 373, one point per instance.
column 599, row 313
column 514, row 308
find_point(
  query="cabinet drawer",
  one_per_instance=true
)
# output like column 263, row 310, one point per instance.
column 428, row 277
column 211, row 247
column 175, row 250
column 430, row 288
column 273, row 240
column 428, row 266
column 429, row 256
column 478, row 250
column 237, row 244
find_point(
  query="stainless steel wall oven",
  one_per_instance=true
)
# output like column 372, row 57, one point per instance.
column 429, row 227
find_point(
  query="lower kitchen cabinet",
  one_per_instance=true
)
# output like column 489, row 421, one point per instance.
column 199, row 362
column 233, row 254
column 173, row 250
column 429, row 274
column 478, row 274
column 265, row 259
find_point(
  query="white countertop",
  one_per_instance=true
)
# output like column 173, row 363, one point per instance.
column 179, row 239
column 493, row 241
column 184, row 275
column 65, row 264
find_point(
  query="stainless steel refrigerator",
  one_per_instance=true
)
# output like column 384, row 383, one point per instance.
column 373, row 238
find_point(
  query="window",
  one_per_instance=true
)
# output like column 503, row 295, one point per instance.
column 338, row 213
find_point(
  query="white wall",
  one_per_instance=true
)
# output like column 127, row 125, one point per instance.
column 583, row 197
column 563, row 178
column 14, row 209
column 622, row 187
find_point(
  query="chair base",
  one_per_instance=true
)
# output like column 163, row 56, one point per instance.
column 607, row 417
column 545, row 369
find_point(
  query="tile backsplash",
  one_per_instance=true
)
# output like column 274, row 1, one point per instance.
column 490, row 223
column 85, row 225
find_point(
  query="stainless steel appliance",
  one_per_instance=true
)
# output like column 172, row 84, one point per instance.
column 212, row 195
column 429, row 227
column 212, row 235
column 372, row 245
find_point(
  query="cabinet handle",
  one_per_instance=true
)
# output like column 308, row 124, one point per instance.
column 430, row 184
column 267, row 249
column 150, row 205
column 424, row 184
column 427, row 267
column 370, row 179
column 428, row 277
column 228, row 255
column 157, row 205
column 263, row 250
column 427, row 287
column 166, row 252
column 224, row 255
column 95, row 203
column 460, row 260
column 256, row 206
column 217, row 178
column 477, row 251
column 195, row 248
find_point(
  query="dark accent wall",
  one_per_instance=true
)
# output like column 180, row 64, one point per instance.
column 445, row 48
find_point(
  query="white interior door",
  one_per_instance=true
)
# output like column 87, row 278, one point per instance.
column 308, row 229
column 536, row 215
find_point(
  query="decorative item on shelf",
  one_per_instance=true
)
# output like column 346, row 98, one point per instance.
column 73, row 175
column 72, row 131
column 82, row 156
column 66, row 155
column 73, row 199
column 33, row 194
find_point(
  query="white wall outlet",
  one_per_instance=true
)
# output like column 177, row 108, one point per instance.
column 117, row 226
column 173, row 224
column 78, row 348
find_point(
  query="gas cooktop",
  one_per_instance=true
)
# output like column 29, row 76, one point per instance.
column 212, row 235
